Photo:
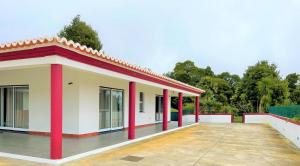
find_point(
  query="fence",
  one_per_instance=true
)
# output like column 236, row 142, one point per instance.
column 291, row 111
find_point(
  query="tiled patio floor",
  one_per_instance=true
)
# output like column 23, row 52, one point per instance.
column 206, row 145
column 38, row 146
column 200, row 145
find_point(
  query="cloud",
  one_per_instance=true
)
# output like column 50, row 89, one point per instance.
column 226, row 35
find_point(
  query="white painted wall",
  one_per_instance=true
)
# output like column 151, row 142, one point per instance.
column 188, row 118
column 208, row 118
column 70, row 101
column 38, row 80
column 288, row 129
column 89, row 84
column 39, row 94
column 257, row 119
column 215, row 118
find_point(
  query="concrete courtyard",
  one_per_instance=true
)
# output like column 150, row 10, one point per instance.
column 204, row 144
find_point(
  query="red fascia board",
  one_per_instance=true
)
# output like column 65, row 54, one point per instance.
column 72, row 55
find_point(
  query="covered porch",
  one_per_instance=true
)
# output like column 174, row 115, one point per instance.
column 97, row 100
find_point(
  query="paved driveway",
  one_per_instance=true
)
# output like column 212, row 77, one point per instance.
column 205, row 144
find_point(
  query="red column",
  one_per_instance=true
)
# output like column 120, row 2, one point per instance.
column 179, row 109
column 197, row 109
column 131, row 123
column 165, row 109
column 56, row 112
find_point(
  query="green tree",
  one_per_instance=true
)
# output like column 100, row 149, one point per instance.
column 80, row 32
column 259, row 88
column 294, row 87
column 252, row 76
column 296, row 95
column 233, row 80
column 186, row 72
column 219, row 87
column 265, row 91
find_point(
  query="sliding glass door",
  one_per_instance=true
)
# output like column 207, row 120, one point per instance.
column 6, row 107
column 14, row 101
column 21, row 102
column 158, row 108
column 110, row 109
column 117, row 109
column 104, row 108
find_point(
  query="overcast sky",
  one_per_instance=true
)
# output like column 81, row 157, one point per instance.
column 228, row 35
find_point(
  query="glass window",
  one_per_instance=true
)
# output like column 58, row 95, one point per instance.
column 6, row 107
column 104, row 108
column 117, row 108
column 110, row 109
column 141, row 102
column 21, row 107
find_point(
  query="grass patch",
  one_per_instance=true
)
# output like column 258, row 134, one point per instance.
column 238, row 119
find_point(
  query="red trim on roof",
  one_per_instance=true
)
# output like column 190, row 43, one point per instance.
column 56, row 50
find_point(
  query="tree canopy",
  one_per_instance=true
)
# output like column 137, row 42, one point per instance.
column 260, row 87
column 80, row 32
column 293, row 81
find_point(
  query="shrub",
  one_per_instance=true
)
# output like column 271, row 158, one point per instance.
column 188, row 108
column 229, row 109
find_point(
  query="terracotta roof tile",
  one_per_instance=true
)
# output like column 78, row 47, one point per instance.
column 69, row 44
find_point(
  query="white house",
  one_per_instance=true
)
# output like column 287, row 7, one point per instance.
column 60, row 88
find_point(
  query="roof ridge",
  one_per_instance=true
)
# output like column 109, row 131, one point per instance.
column 83, row 48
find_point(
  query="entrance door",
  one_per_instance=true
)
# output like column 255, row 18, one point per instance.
column 110, row 109
column 14, row 112
column 158, row 108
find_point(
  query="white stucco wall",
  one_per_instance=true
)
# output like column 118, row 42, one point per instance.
column 256, row 118
column 288, row 129
column 38, row 80
column 39, row 93
column 208, row 118
column 89, row 84
column 215, row 118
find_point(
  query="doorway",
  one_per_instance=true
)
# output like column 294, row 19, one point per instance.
column 111, row 111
